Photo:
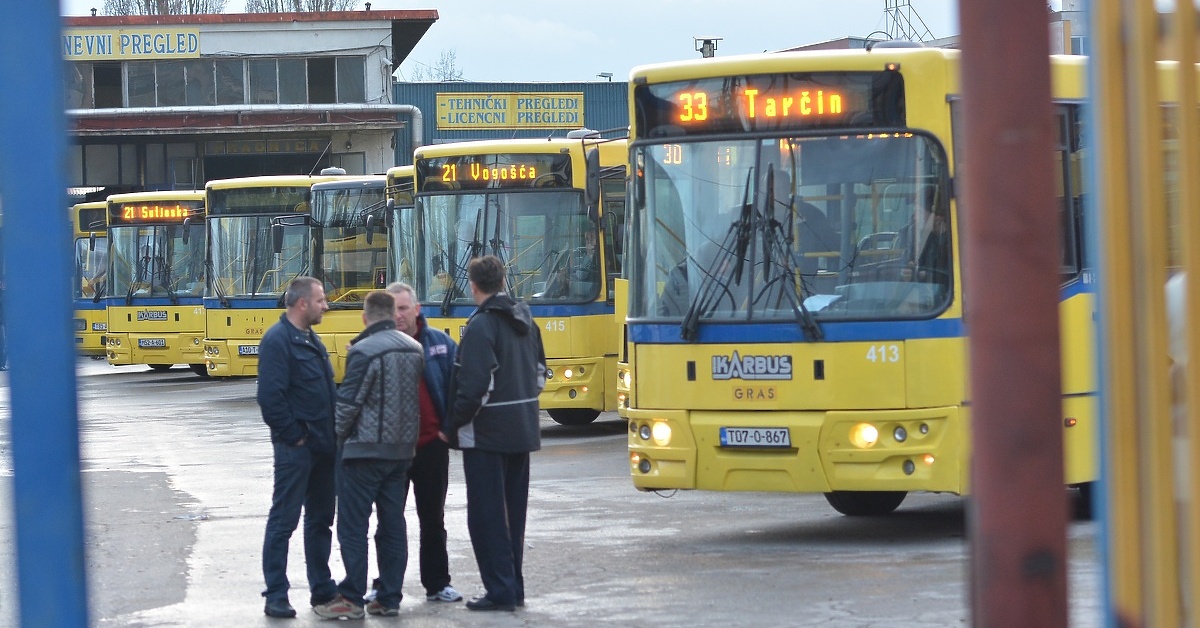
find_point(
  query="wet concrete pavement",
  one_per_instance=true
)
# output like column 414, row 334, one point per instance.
column 177, row 480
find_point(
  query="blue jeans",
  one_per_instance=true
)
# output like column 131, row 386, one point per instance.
column 302, row 480
column 497, row 498
column 384, row 483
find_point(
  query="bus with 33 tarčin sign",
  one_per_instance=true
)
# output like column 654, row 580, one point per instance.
column 553, row 211
column 795, row 293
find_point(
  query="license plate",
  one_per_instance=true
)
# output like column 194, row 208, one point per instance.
column 247, row 349
column 152, row 343
column 755, row 437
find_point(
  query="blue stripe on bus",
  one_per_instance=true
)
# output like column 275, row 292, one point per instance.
column 434, row 310
column 729, row 333
column 88, row 304
column 1085, row 285
column 156, row 301
column 243, row 303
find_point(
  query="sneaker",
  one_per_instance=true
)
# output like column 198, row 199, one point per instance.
column 447, row 594
column 375, row 608
column 339, row 608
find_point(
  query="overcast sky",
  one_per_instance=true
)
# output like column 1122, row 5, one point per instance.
column 574, row 40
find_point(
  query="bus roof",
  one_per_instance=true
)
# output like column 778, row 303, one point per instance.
column 369, row 181
column 160, row 195
column 523, row 145
column 270, row 181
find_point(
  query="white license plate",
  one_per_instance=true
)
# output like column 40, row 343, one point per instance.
column 152, row 343
column 755, row 437
column 247, row 349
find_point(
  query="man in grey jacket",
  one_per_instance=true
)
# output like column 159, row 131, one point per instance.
column 378, row 418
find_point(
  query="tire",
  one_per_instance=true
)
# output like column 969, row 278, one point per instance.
column 199, row 369
column 865, row 503
column 573, row 416
column 161, row 368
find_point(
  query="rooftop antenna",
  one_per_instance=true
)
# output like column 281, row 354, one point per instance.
column 706, row 46
column 903, row 23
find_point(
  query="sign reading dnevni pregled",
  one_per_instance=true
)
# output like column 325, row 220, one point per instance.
column 127, row 44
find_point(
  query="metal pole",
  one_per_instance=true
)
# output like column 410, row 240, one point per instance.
column 1017, row 519
column 45, row 444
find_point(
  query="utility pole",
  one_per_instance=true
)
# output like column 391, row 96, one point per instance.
column 903, row 23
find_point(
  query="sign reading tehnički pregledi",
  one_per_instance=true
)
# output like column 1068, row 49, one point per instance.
column 155, row 42
column 509, row 110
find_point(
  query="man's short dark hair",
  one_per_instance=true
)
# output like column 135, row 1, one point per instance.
column 299, row 288
column 487, row 273
column 379, row 305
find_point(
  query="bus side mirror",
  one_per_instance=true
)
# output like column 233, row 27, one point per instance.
column 277, row 237
column 92, row 241
column 592, row 189
column 371, row 220
column 187, row 224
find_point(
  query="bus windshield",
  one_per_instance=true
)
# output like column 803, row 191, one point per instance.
column 257, row 255
column 156, row 260
column 91, row 267
column 808, row 227
column 544, row 238
column 352, row 257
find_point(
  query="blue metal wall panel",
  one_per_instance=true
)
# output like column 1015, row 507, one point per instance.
column 605, row 106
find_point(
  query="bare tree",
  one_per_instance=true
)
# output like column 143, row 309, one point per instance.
column 163, row 7
column 297, row 6
column 445, row 69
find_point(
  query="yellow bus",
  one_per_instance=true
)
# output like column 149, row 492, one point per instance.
column 259, row 239
column 156, row 279
column 795, row 292
column 550, row 209
column 91, row 274
column 350, row 256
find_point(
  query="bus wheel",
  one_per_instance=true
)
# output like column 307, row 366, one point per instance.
column 199, row 369
column 865, row 503
column 573, row 416
column 161, row 368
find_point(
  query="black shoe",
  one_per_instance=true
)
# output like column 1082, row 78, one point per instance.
column 279, row 608
column 484, row 604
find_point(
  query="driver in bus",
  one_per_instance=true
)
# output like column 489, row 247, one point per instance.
column 926, row 241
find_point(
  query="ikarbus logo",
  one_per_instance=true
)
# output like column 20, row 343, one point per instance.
column 754, row 367
column 152, row 315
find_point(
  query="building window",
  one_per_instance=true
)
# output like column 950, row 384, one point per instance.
column 106, row 77
column 140, row 78
column 79, row 85
column 1079, row 45
column 200, row 91
column 351, row 79
column 231, row 82
column 293, row 78
column 171, row 83
column 321, row 80
column 264, row 84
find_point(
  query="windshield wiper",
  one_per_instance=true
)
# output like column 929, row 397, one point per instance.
column 714, row 285
column 777, row 246
column 458, row 271
column 216, row 284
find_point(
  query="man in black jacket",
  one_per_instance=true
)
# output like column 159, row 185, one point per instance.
column 494, row 420
column 296, row 395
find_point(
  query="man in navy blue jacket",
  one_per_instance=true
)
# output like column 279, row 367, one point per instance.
column 430, row 470
column 296, row 395
column 494, row 419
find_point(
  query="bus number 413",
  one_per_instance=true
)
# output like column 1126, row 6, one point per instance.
column 883, row 353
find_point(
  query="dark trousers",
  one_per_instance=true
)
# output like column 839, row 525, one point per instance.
column 430, row 476
column 384, row 483
column 497, row 498
column 302, row 481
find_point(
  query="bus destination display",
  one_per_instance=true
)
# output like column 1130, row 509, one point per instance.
column 766, row 102
column 479, row 172
column 154, row 212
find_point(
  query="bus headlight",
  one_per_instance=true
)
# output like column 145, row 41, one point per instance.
column 864, row 435
column 567, row 373
column 626, row 378
column 661, row 434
